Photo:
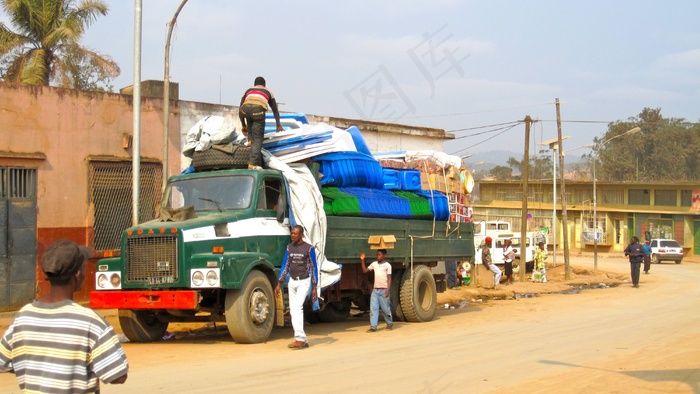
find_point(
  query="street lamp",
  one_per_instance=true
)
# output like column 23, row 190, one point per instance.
column 597, row 147
column 553, row 146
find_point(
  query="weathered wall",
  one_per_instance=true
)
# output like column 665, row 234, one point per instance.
column 55, row 131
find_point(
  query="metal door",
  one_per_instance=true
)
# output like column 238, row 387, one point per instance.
column 696, row 239
column 17, row 237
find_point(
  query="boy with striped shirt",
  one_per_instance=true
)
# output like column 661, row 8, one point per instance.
column 55, row 345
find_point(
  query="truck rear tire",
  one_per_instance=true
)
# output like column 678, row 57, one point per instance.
column 250, row 311
column 141, row 326
column 418, row 297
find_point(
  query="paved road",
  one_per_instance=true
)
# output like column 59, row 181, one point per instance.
column 609, row 340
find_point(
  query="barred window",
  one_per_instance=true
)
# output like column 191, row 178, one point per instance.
column 639, row 197
column 686, row 198
column 616, row 197
column 665, row 197
column 17, row 182
column 110, row 193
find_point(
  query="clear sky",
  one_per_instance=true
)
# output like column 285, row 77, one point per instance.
column 441, row 63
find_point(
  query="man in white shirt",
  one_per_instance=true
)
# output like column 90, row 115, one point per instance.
column 508, row 256
column 380, row 292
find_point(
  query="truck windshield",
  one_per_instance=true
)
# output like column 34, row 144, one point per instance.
column 210, row 194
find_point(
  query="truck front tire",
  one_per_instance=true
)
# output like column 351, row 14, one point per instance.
column 250, row 311
column 141, row 325
column 418, row 296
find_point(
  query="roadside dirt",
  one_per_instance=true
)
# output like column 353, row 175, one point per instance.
column 610, row 340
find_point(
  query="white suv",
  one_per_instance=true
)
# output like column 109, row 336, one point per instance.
column 666, row 250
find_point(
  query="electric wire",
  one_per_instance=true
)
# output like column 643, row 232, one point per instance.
column 486, row 131
column 484, row 126
column 484, row 140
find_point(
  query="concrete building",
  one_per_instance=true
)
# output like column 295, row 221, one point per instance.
column 65, row 170
column 652, row 210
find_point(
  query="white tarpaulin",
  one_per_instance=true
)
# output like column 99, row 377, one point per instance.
column 306, row 203
column 208, row 131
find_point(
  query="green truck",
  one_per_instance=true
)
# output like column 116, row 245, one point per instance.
column 215, row 252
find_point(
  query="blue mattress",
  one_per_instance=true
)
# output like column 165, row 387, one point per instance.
column 379, row 203
column 409, row 180
column 438, row 203
column 359, row 140
column 346, row 169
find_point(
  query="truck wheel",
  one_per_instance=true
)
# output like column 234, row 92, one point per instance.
column 678, row 261
column 418, row 297
column 250, row 311
column 141, row 326
column 335, row 312
column 394, row 294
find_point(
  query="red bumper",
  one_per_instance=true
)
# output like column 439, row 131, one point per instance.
column 144, row 299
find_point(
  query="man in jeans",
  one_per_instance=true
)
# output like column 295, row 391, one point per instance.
column 299, row 265
column 380, row 292
column 254, row 104
column 508, row 256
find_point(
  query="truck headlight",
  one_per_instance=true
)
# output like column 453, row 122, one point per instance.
column 212, row 278
column 102, row 281
column 197, row 278
column 108, row 280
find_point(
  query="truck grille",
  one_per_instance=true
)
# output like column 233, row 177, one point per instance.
column 152, row 259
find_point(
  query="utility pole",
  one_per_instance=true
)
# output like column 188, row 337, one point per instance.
column 136, row 149
column 565, row 230
column 523, row 218
column 166, row 92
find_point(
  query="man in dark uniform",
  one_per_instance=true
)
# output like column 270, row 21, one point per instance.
column 636, row 255
column 251, row 112
column 299, row 266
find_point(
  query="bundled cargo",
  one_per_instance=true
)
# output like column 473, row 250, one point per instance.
column 347, row 169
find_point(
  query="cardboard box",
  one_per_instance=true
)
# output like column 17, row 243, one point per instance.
column 433, row 182
column 381, row 241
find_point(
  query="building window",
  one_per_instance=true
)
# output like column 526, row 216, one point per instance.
column 686, row 198
column 17, row 182
column 615, row 197
column 110, row 194
column 665, row 197
column 639, row 197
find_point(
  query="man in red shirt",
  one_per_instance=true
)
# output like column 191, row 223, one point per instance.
column 254, row 104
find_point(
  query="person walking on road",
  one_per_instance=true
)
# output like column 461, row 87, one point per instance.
column 508, row 256
column 636, row 255
column 380, row 298
column 646, row 248
column 539, row 272
column 299, row 267
column 251, row 112
column 488, row 263
column 54, row 344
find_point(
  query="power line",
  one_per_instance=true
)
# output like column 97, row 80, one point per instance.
column 478, row 112
column 484, row 140
column 575, row 121
column 484, row 126
column 487, row 131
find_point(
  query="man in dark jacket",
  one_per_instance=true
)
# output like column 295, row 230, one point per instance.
column 254, row 104
column 636, row 255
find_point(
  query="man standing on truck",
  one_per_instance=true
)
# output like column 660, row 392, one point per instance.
column 380, row 292
column 508, row 256
column 56, row 345
column 251, row 112
column 486, row 261
column 299, row 266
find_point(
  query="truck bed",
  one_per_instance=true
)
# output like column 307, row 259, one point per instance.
column 347, row 237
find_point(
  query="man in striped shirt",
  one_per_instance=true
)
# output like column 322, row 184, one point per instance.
column 55, row 345
column 251, row 112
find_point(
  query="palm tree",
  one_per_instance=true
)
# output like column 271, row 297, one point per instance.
column 45, row 49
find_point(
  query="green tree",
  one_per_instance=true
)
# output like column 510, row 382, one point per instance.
column 501, row 173
column 540, row 167
column 44, row 47
column 666, row 149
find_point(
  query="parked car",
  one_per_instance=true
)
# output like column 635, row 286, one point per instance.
column 666, row 250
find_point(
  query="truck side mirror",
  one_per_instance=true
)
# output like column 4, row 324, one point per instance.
column 281, row 207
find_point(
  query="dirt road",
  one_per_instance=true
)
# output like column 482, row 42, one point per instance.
column 616, row 340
